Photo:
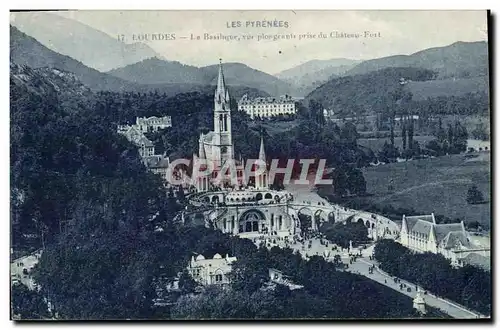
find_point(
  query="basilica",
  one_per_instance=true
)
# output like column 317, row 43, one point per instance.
column 238, row 205
column 216, row 148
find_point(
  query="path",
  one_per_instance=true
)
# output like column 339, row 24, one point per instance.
column 361, row 266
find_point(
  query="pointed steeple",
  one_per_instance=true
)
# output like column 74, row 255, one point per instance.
column 202, row 152
column 262, row 152
column 221, row 93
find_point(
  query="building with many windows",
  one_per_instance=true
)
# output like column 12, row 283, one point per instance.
column 145, row 146
column 211, row 271
column 148, row 124
column 422, row 234
column 265, row 107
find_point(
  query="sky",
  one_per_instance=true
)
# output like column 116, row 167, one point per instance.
column 389, row 33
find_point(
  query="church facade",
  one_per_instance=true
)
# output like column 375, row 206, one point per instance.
column 216, row 149
column 241, row 205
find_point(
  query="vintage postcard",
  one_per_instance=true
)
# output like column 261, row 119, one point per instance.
column 253, row 165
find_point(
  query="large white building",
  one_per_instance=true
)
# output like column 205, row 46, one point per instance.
column 265, row 107
column 422, row 234
column 211, row 271
column 148, row 124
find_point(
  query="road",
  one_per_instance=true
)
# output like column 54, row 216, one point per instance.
column 361, row 266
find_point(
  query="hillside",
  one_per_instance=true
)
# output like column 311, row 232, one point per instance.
column 25, row 50
column 44, row 81
column 458, row 60
column 92, row 47
column 366, row 93
column 157, row 71
column 241, row 74
column 448, row 87
column 312, row 74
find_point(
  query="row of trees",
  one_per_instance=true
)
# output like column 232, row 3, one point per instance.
column 468, row 285
column 453, row 140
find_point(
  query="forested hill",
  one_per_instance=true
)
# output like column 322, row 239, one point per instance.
column 62, row 149
column 46, row 81
column 366, row 93
column 458, row 60
column 373, row 92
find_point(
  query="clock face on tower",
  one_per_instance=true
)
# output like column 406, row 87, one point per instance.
column 223, row 149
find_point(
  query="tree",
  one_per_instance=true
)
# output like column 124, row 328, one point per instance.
column 341, row 234
column 474, row 196
column 27, row 304
column 411, row 125
column 450, row 135
column 403, row 132
column 388, row 153
column 356, row 181
column 480, row 132
column 440, row 133
column 349, row 133
column 316, row 112
column 392, row 129
column 461, row 136
column 186, row 283
column 340, row 181
column 435, row 146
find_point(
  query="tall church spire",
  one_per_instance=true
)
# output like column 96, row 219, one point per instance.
column 262, row 152
column 222, row 141
column 201, row 149
column 221, row 93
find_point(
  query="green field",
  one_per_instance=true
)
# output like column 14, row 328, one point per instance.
column 436, row 185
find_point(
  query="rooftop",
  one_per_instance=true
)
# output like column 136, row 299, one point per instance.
column 266, row 100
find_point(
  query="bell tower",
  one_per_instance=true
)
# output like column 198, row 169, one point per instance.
column 223, row 141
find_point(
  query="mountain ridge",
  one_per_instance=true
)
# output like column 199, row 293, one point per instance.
column 311, row 74
column 158, row 71
column 458, row 60
column 92, row 47
column 26, row 50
